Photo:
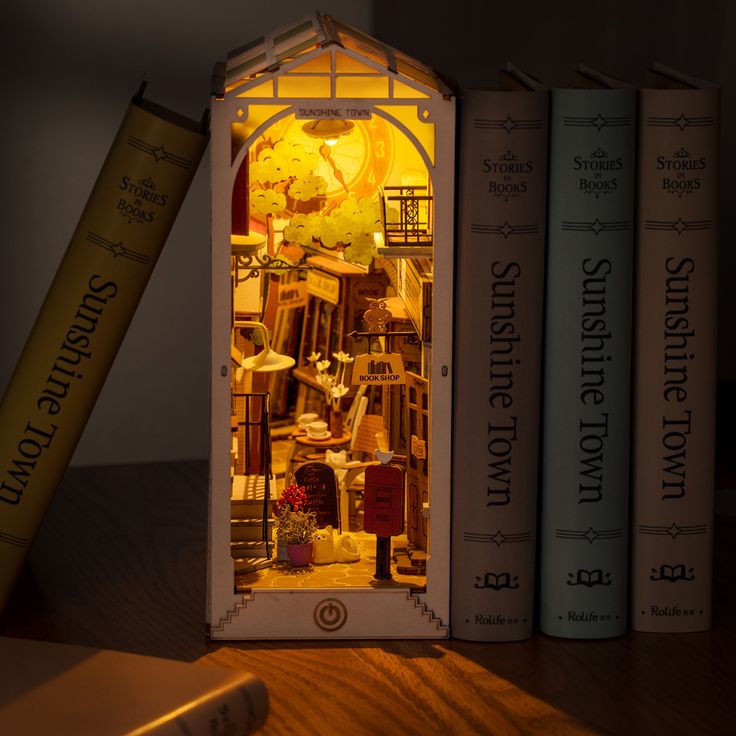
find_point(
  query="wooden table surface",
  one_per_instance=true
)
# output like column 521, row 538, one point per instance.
column 120, row 563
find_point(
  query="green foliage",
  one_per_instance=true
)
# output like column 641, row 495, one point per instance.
column 295, row 527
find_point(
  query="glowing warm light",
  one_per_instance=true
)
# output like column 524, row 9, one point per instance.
column 268, row 360
column 328, row 130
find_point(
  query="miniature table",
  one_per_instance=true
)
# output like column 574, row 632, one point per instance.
column 303, row 444
column 331, row 442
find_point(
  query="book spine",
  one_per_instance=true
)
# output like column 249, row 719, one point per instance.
column 85, row 316
column 585, row 417
column 675, row 349
column 498, row 318
column 236, row 710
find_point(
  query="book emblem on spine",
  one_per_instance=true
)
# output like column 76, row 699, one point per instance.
column 672, row 573
column 159, row 153
column 598, row 121
column 682, row 121
column 498, row 538
column 508, row 124
column 590, row 535
column 117, row 249
column 589, row 578
column 506, row 229
column 596, row 227
column 497, row 581
column 673, row 530
column 13, row 540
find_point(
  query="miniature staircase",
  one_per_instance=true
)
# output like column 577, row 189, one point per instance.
column 427, row 613
column 248, row 547
column 233, row 613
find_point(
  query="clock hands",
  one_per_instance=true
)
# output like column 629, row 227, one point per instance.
column 325, row 152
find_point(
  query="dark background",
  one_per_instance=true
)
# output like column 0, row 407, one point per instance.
column 69, row 69
column 471, row 41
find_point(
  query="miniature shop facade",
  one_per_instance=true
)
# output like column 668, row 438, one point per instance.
column 332, row 244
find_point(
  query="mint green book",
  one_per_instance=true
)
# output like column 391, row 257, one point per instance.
column 584, row 490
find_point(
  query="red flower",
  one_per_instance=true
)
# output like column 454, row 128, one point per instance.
column 293, row 497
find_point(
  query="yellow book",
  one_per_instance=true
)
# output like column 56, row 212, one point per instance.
column 63, row 690
column 86, row 313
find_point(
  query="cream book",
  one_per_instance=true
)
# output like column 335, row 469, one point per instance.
column 498, row 345
column 60, row 690
column 674, row 407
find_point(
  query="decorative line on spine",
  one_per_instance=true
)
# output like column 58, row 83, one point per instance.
column 117, row 249
column 159, row 153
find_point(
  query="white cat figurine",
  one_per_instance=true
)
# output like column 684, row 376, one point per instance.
column 327, row 549
column 336, row 460
column 323, row 546
column 346, row 550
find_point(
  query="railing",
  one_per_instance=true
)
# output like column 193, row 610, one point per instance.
column 414, row 207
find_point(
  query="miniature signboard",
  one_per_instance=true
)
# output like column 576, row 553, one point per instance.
column 293, row 294
column 320, row 485
column 384, row 369
column 324, row 286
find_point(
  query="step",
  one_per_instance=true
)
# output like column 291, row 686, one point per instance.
column 250, row 548
column 404, row 566
column 250, row 529
column 251, row 564
column 249, row 509
column 251, row 488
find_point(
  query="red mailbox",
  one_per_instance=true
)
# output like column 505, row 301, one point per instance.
column 384, row 500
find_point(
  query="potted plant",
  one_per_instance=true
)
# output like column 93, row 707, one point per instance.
column 295, row 524
column 333, row 386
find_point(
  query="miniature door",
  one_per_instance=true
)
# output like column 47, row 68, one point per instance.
column 332, row 186
column 417, row 474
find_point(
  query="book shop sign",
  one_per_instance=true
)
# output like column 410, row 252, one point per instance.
column 385, row 369
column 323, row 286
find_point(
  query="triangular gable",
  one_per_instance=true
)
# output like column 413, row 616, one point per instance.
column 306, row 40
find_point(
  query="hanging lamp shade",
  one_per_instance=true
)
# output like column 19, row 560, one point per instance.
column 268, row 360
column 328, row 130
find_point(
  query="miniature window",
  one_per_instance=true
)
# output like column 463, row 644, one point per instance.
column 264, row 89
column 361, row 87
column 306, row 86
column 345, row 64
column 321, row 64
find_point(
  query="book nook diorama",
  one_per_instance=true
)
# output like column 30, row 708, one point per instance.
column 332, row 271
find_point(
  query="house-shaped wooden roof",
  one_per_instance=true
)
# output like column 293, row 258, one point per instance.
column 299, row 46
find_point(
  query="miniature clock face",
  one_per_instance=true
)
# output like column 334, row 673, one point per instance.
column 356, row 165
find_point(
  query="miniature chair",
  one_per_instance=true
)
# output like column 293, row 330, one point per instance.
column 350, row 471
column 357, row 409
